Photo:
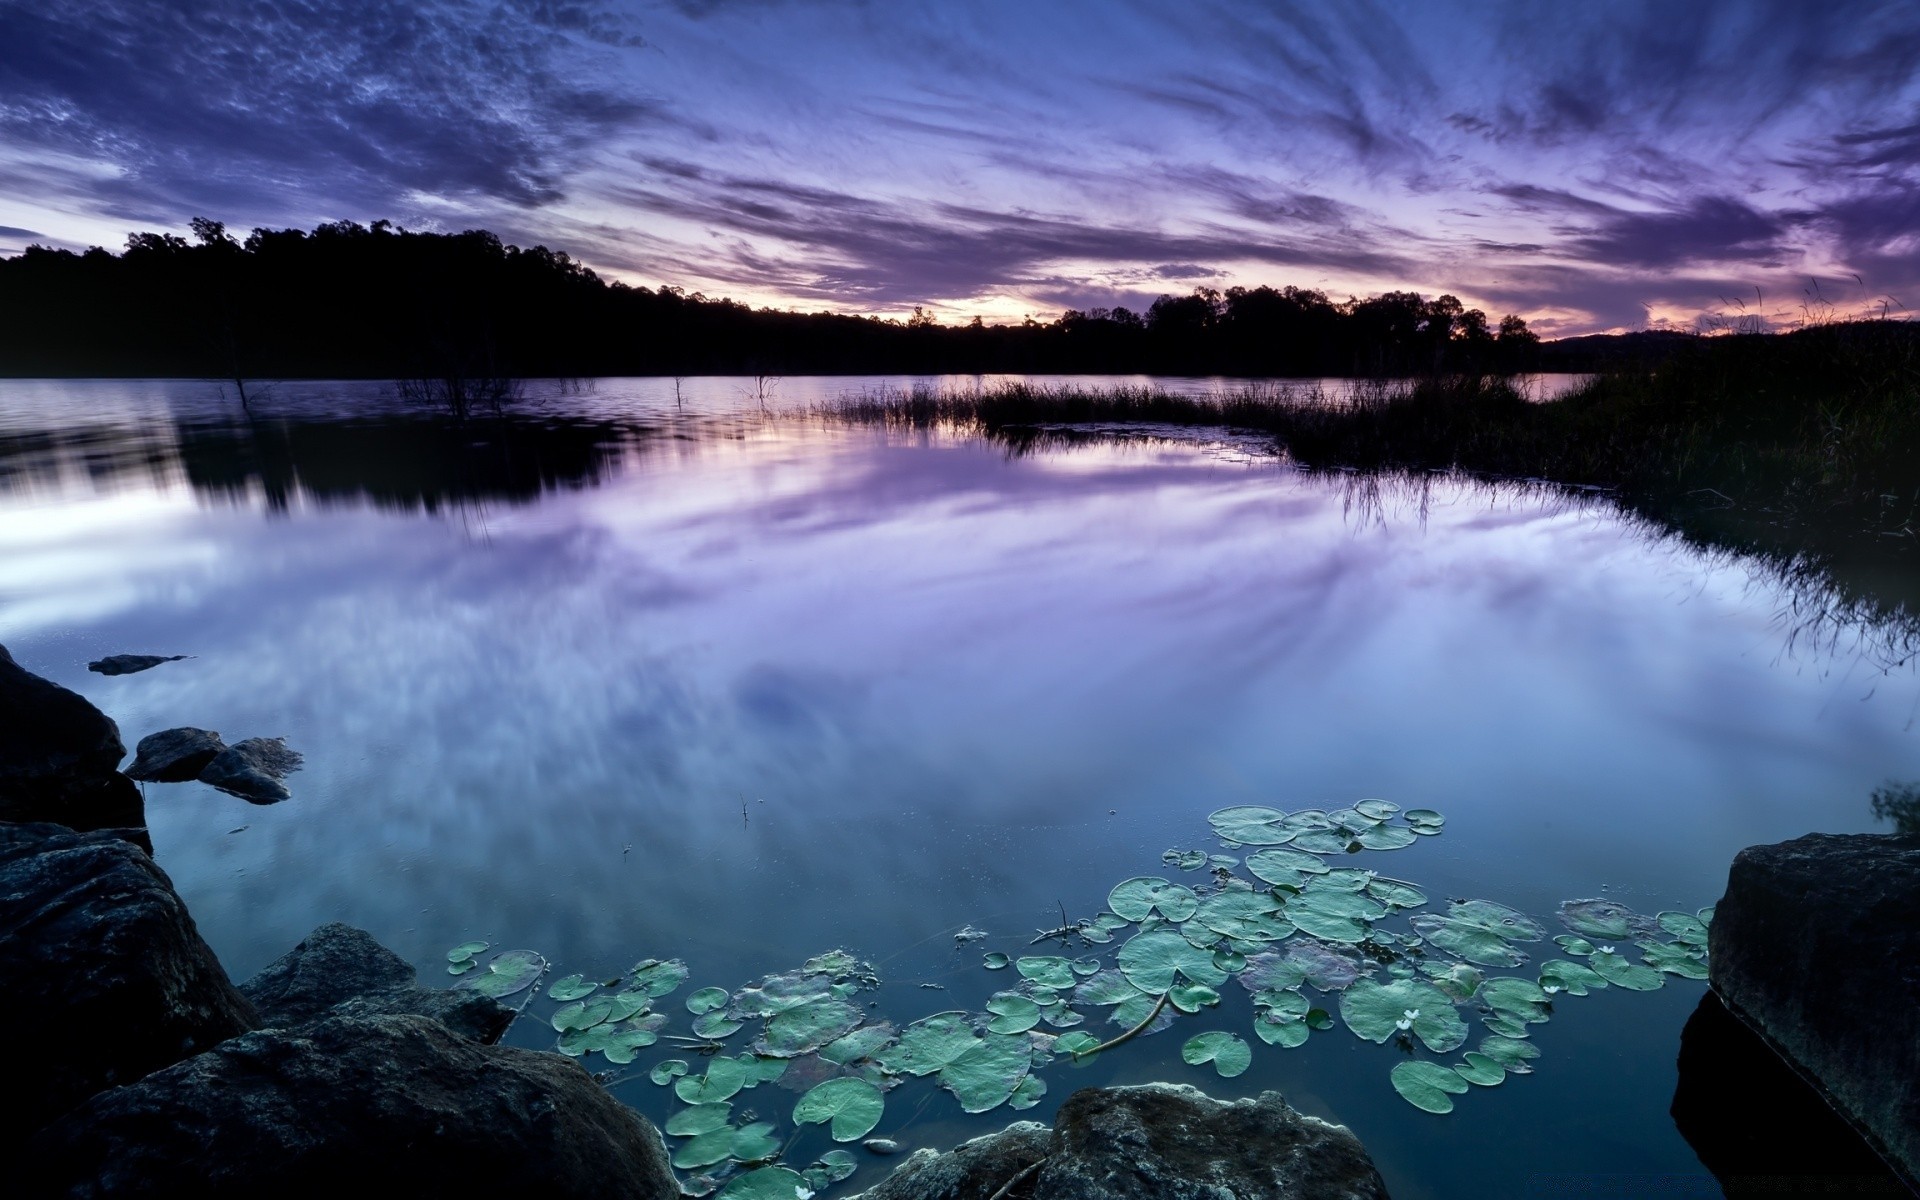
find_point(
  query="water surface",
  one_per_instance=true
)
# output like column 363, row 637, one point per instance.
column 633, row 678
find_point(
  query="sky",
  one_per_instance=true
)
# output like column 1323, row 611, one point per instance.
column 1592, row 166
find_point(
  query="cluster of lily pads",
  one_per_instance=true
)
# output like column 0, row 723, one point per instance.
column 1281, row 921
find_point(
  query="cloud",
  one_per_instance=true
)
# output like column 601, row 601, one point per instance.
column 266, row 108
column 8, row 231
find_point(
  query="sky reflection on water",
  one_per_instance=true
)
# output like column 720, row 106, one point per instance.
column 740, row 690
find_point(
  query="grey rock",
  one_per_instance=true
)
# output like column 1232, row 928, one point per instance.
column 253, row 769
column 174, row 755
column 1816, row 947
column 107, row 978
column 57, row 757
column 1158, row 1141
column 397, row 1105
column 881, row 1146
column 128, row 664
column 340, row 970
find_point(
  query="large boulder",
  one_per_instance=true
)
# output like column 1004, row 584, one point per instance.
column 338, row 969
column 58, row 755
column 1816, row 946
column 1155, row 1141
column 107, row 978
column 395, row 1104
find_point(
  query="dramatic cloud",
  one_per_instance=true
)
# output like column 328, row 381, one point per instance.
column 1591, row 167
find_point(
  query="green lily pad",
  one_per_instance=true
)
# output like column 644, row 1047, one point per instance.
column 849, row 1107
column 1473, row 942
column 863, row 1042
column 1458, row 980
column 716, row 1025
column 1479, row 1069
column 618, row 1040
column 1387, row 837
column 1683, row 928
column 985, row 1075
column 1353, row 820
column 1230, row 961
column 573, row 987
column 511, row 971
column 929, row 1044
column 1427, row 1086
column 1505, row 1024
column 1284, row 1034
column 1607, row 919
column 723, row 1077
column 1192, row 997
column 1249, row 824
column 749, row 1143
column 1395, row 894
column 1284, row 864
column 1135, row 1009
column 837, row 1165
column 1229, row 1055
column 1424, row 820
column 1616, row 970
column 461, row 967
column 1047, row 970
column 1378, row 810
column 1107, row 987
column 1028, row 1093
column 657, row 978
column 1248, row 916
column 1326, row 841
column 806, row 1028
column 1152, row 961
column 1075, row 1044
column 765, row 1183
column 706, row 1000
column 1521, row 997
column 1571, row 977
column 696, row 1119
column 582, row 1014
column 666, row 1072
column 1511, row 1053
column 995, row 961
column 1012, row 1013
column 1675, row 958
column 1186, row 860
column 1579, row 947
column 1376, row 1011
column 1138, row 898
column 465, row 951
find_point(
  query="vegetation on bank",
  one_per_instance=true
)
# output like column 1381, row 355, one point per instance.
column 465, row 312
column 1801, row 447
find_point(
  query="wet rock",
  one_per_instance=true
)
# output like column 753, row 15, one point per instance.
column 57, row 757
column 174, row 755
column 253, row 769
column 1816, row 947
column 881, row 1146
column 340, row 970
column 1164, row 1141
column 395, row 1104
column 107, row 978
column 1750, row 1117
column 128, row 664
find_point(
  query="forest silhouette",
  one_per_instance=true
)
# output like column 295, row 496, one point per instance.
column 353, row 301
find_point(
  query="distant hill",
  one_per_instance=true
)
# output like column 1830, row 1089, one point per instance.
column 1601, row 351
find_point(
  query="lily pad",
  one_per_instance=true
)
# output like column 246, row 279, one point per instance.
column 1249, row 824
column 766, row 1183
column 1424, row 820
column 1675, row 958
column 1427, row 1086
column 1473, row 942
column 1458, row 980
column 1571, row 977
column 1107, row 987
column 1683, row 928
column 1076, row 1044
column 1378, row 810
column 985, row 1075
column 1579, row 947
column 850, row 1108
column 1229, row 1055
column 1601, row 918
column 716, row 1025
column 1247, row 916
column 1521, row 997
column 1615, row 969
column 573, row 987
column 510, row 972
column 1192, row 997
column 461, row 967
column 1511, row 1053
column 807, row 1027
column 465, row 951
column 1326, row 841
column 995, row 961
column 706, row 1000
column 863, row 1042
column 696, row 1119
column 1479, row 1069
column 1387, row 837
column 1283, row 864
column 1376, row 1011
column 723, row 1077
column 666, row 1072
column 657, row 978
column 1047, row 970
column 1395, row 894
column 1012, row 1013
column 836, row 1165
column 1029, row 1093
column 750, row 1143
column 1281, row 1033
column 1138, row 898
column 1152, row 961
column 581, row 1015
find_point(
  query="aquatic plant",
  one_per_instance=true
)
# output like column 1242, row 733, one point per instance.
column 1281, row 923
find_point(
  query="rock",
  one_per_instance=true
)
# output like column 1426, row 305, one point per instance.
column 881, row 1146
column 338, row 969
column 1749, row 1116
column 128, row 664
column 57, row 757
column 1157, row 1140
column 350, row 1105
column 1816, row 947
column 253, row 769
column 174, row 755
column 107, row 978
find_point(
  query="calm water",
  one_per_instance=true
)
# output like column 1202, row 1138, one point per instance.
column 649, row 679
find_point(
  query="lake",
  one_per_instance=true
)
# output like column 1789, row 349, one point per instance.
column 711, row 678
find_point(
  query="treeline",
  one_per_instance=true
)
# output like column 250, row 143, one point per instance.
column 352, row 301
